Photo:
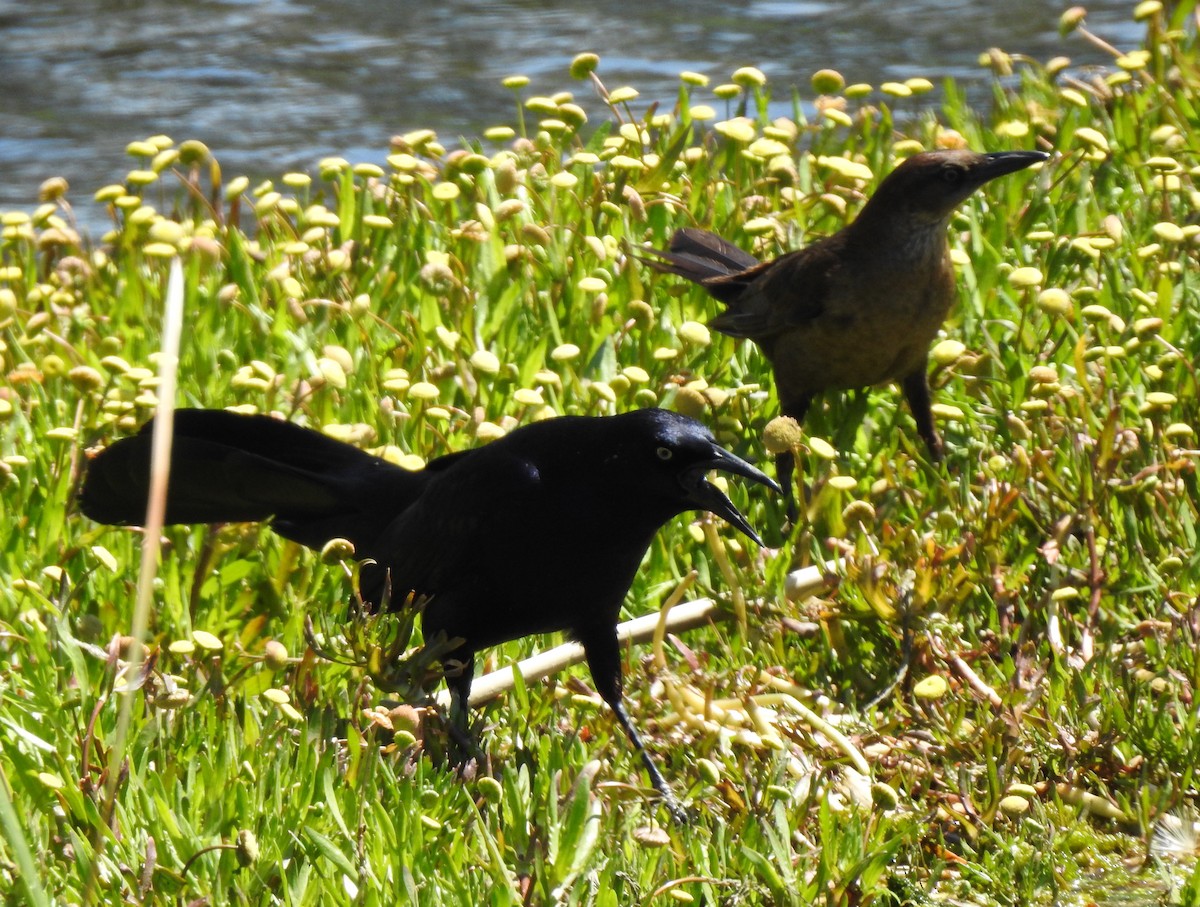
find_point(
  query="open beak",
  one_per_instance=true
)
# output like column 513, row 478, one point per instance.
column 1000, row 163
column 703, row 495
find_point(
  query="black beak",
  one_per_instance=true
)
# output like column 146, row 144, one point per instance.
column 1000, row 163
column 703, row 495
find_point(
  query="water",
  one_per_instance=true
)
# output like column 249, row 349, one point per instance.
column 275, row 85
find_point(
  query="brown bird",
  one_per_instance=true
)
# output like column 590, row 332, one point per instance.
column 857, row 308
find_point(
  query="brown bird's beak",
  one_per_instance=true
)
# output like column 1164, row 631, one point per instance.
column 1000, row 163
column 703, row 495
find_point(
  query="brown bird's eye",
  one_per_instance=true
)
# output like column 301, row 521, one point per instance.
column 952, row 175
column 665, row 453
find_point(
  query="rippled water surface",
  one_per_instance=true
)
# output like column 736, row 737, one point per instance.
column 275, row 85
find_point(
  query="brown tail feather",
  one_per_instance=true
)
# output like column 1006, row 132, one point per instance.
column 698, row 255
column 710, row 247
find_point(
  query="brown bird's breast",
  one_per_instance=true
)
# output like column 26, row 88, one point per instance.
column 874, row 327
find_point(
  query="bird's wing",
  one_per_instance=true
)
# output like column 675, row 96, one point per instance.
column 777, row 295
column 466, row 521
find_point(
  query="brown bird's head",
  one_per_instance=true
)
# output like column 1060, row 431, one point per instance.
column 927, row 187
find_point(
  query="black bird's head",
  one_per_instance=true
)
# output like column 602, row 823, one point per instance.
column 667, row 457
column 930, row 185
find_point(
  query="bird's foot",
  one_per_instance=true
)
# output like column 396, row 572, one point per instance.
column 679, row 813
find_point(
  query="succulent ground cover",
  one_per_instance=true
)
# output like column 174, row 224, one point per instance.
column 991, row 699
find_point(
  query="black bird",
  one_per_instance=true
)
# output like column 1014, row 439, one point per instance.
column 539, row 531
column 857, row 308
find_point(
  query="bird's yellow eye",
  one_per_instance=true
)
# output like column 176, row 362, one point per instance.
column 665, row 453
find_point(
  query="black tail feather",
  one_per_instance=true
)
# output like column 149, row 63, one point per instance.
column 227, row 467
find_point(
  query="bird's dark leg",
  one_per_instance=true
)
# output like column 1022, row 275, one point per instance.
column 785, row 463
column 459, row 671
column 916, row 392
column 604, row 660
